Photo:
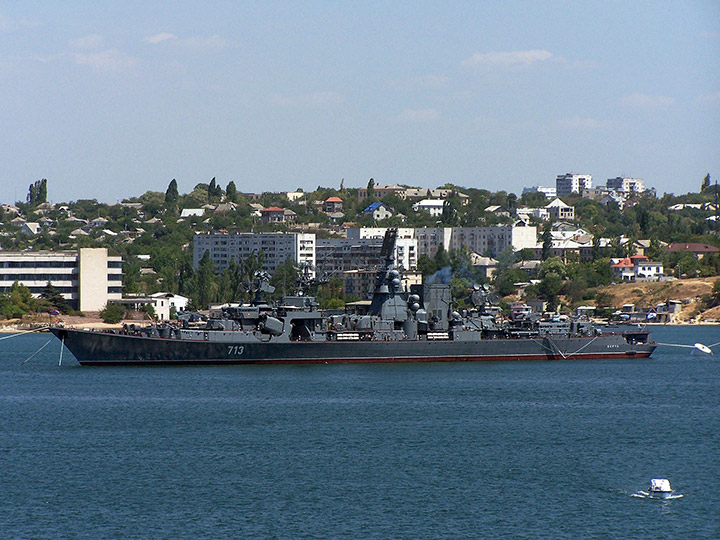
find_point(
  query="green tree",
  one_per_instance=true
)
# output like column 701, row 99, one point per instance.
column 37, row 193
column 426, row 266
column 207, row 287
column 231, row 192
column 172, row 195
column 54, row 299
column 112, row 313
column 285, row 278
column 371, row 188
column 441, row 259
column 715, row 294
column 331, row 295
column 550, row 287
column 450, row 213
column 215, row 192
column 705, row 183
column 546, row 241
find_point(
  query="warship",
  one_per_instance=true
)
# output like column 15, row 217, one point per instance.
column 419, row 325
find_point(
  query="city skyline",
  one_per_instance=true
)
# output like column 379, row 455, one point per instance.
column 109, row 101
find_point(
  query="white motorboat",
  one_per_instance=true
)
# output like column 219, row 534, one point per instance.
column 660, row 488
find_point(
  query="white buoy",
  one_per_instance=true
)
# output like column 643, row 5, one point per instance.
column 703, row 348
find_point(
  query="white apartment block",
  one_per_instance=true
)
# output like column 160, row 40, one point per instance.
column 565, row 184
column 549, row 192
column 406, row 248
column 492, row 241
column 277, row 247
column 87, row 278
column 626, row 185
column 481, row 240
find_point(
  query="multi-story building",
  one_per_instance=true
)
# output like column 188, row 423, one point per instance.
column 427, row 240
column 549, row 192
column 337, row 255
column 569, row 183
column 380, row 191
column 277, row 247
column 406, row 250
column 361, row 283
column 560, row 211
column 626, row 185
column 86, row 278
column 489, row 241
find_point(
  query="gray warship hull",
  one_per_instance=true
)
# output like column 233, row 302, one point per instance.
column 94, row 348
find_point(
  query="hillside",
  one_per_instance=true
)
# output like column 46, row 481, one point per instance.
column 649, row 294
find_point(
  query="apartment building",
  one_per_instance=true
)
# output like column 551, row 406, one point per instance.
column 549, row 192
column 489, row 241
column 277, row 247
column 626, row 185
column 406, row 248
column 481, row 240
column 380, row 191
column 87, row 278
column 361, row 283
column 569, row 183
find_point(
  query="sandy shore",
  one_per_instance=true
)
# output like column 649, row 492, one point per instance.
column 91, row 321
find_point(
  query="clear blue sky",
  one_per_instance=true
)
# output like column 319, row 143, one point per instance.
column 110, row 99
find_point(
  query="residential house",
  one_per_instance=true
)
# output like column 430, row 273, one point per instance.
column 486, row 265
column 378, row 211
column 332, row 205
column 437, row 193
column 433, row 206
column 190, row 212
column 380, row 191
column 294, row 196
column 636, row 268
column 696, row 248
column 498, row 210
column 526, row 212
column 225, row 207
column 30, row 228
column 560, row 211
column 273, row 214
column 99, row 222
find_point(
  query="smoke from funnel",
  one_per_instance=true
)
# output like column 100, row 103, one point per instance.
column 442, row 276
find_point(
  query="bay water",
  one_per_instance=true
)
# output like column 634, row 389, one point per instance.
column 416, row 451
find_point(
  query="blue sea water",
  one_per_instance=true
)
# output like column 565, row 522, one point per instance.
column 466, row 450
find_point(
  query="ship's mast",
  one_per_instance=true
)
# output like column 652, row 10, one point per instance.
column 387, row 301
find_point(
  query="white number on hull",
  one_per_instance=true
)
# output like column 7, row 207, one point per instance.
column 235, row 350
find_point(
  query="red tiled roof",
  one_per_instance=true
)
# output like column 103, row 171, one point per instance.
column 333, row 199
column 625, row 263
column 272, row 209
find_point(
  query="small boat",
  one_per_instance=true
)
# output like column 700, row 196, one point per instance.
column 660, row 488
